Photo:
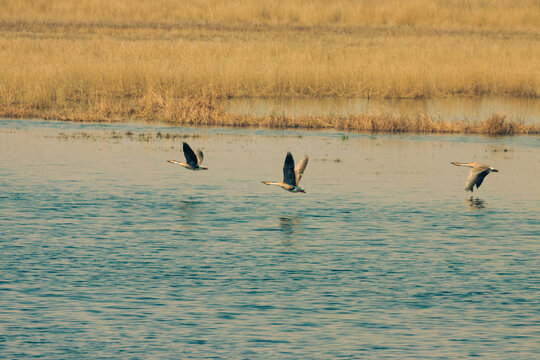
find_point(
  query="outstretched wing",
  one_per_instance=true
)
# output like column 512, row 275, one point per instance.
column 200, row 156
column 476, row 176
column 288, row 170
column 299, row 169
column 481, row 178
column 191, row 158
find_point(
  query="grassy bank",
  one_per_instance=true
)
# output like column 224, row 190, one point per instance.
column 202, row 112
column 92, row 60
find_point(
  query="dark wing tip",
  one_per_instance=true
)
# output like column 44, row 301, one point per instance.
column 289, row 158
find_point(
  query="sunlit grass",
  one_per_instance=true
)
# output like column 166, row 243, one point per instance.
column 281, row 63
column 87, row 60
column 440, row 14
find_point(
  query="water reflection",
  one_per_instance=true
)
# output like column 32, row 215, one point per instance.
column 471, row 109
column 188, row 209
column 289, row 227
column 475, row 204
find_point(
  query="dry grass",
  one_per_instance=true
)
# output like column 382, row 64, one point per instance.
column 455, row 14
column 204, row 112
column 50, row 64
column 103, row 60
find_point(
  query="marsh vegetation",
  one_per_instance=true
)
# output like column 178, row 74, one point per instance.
column 103, row 61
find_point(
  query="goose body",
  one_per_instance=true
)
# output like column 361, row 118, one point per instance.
column 193, row 160
column 291, row 174
column 477, row 174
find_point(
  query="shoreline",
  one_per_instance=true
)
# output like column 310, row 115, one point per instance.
column 204, row 112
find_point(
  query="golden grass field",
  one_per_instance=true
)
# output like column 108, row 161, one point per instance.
column 167, row 60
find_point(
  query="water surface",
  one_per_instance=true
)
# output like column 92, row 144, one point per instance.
column 108, row 251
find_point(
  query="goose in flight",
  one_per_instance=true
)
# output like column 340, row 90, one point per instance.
column 476, row 175
column 193, row 160
column 291, row 174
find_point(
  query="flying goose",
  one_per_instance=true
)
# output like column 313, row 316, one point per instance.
column 291, row 174
column 193, row 160
column 476, row 175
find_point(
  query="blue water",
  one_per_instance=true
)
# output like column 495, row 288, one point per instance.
column 108, row 251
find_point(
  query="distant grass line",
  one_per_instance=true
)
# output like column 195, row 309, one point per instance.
column 203, row 112
column 455, row 14
column 133, row 30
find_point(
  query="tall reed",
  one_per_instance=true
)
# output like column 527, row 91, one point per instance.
column 203, row 111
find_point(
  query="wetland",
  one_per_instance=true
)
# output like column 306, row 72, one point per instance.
column 108, row 251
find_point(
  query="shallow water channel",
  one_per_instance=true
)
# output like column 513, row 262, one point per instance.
column 526, row 110
column 108, row 251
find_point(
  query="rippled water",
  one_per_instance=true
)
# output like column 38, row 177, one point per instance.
column 108, row 251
